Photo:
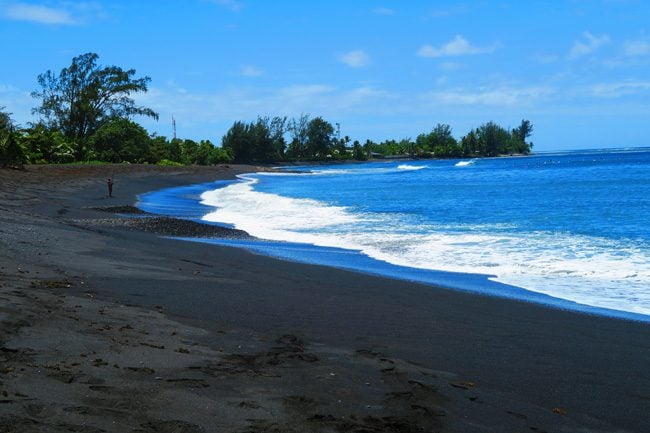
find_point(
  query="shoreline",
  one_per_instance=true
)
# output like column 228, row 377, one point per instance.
column 265, row 336
column 476, row 283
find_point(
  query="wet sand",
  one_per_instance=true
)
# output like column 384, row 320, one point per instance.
column 106, row 326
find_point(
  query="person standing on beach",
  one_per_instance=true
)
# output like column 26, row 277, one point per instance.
column 109, row 182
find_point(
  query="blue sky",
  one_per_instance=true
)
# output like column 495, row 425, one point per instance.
column 579, row 70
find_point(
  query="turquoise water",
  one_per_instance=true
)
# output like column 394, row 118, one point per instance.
column 568, row 229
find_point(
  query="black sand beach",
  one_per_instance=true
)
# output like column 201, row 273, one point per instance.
column 105, row 326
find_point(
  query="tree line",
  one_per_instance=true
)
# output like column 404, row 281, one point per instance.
column 86, row 114
column 264, row 140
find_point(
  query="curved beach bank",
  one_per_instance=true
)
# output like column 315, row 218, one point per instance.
column 218, row 339
column 183, row 202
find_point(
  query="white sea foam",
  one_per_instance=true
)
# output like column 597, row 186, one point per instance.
column 581, row 269
column 359, row 170
column 408, row 167
column 276, row 173
column 269, row 216
column 331, row 171
column 465, row 163
column 588, row 270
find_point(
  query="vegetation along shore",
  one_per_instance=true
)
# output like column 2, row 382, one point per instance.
column 86, row 112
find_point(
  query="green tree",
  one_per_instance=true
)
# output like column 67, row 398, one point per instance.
column 189, row 152
column 524, row 130
column 388, row 147
column 6, row 123
column 83, row 96
column 271, row 145
column 357, row 151
column 407, row 147
column 519, row 136
column 493, row 139
column 122, row 140
column 320, row 138
column 367, row 148
column 175, row 149
column 11, row 152
column 439, row 142
column 159, row 148
column 263, row 149
column 340, row 149
column 392, row 147
column 203, row 152
column 219, row 155
column 469, row 144
column 259, row 141
column 422, row 143
column 237, row 142
column 44, row 145
column 299, row 130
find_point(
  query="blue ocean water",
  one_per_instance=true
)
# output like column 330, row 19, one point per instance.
column 568, row 229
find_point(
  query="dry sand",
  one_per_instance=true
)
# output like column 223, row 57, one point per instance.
column 107, row 327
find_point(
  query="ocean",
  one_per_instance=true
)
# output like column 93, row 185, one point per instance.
column 566, row 229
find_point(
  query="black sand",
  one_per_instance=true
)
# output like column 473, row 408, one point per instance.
column 284, row 346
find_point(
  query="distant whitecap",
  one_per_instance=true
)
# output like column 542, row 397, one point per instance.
column 408, row 167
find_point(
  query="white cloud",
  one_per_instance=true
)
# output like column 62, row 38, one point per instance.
column 233, row 5
column 636, row 48
column 589, row 44
column 459, row 46
column 251, row 71
column 443, row 13
column 355, row 59
column 617, row 90
column 55, row 13
column 209, row 115
column 5, row 88
column 451, row 66
column 545, row 58
column 502, row 96
column 218, row 110
column 39, row 14
column 383, row 11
